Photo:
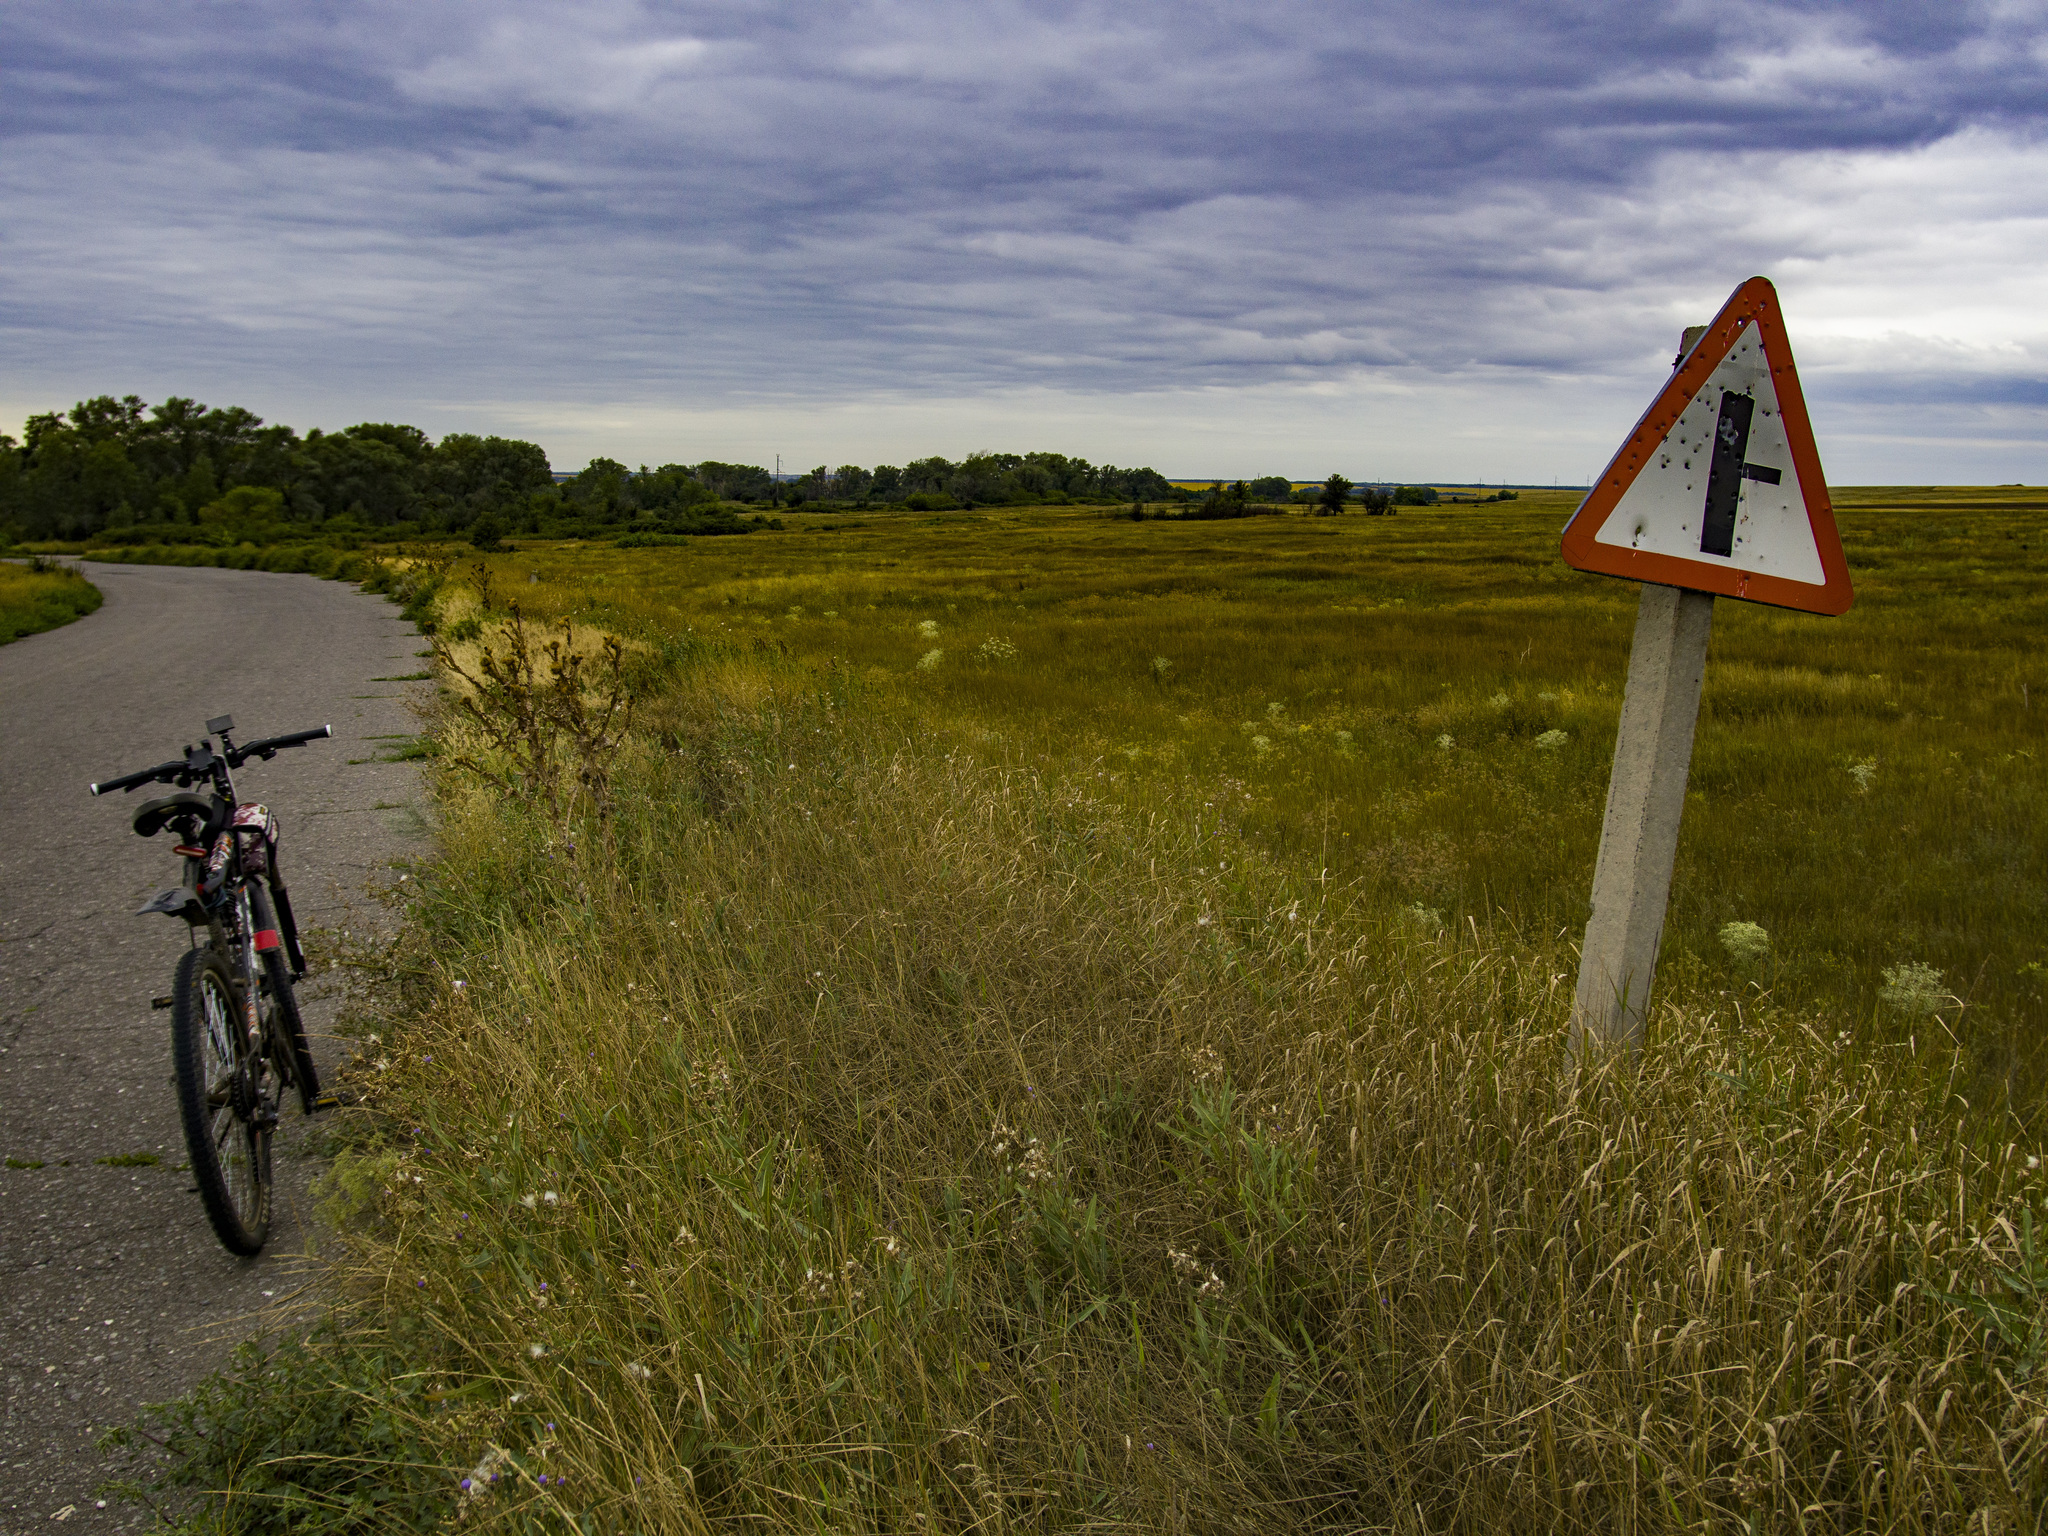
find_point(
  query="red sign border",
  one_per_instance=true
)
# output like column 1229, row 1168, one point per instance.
column 1754, row 303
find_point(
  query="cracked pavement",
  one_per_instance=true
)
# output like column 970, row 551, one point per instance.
column 113, row 1291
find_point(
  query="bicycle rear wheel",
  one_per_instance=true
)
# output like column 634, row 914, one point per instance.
column 221, row 1099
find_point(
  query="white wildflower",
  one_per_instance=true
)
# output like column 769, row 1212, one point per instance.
column 928, row 629
column 1746, row 943
column 929, row 661
column 1550, row 741
column 1914, row 989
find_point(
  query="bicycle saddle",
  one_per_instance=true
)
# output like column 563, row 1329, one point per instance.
column 208, row 815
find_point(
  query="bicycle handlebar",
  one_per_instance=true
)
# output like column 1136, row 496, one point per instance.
column 162, row 772
column 188, row 769
column 270, row 745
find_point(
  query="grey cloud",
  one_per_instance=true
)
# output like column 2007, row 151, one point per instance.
column 696, row 201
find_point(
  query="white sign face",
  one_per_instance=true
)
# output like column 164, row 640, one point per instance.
column 1667, row 511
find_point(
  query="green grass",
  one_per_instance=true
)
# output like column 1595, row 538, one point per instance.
column 994, row 1097
column 41, row 595
column 1869, row 789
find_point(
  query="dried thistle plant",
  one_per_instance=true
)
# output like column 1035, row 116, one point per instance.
column 551, row 730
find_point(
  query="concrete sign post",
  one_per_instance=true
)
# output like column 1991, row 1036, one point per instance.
column 1718, row 490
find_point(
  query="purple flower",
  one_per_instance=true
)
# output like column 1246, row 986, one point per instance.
column 465, row 1485
column 543, row 1479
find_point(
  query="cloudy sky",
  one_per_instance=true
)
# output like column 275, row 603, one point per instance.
column 1436, row 240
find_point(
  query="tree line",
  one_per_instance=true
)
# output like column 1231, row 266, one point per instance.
column 120, row 470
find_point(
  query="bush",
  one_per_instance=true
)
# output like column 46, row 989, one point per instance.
column 487, row 533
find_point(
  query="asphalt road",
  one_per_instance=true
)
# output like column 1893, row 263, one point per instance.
column 113, row 1291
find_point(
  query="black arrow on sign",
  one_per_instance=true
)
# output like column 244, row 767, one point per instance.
column 1728, row 471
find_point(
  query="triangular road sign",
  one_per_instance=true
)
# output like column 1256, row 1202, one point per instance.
column 1719, row 486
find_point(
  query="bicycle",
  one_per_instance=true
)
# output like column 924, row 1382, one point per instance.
column 237, row 1040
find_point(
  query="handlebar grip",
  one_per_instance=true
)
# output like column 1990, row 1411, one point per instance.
column 270, row 744
column 130, row 780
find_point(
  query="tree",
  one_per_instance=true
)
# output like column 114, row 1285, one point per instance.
column 1272, row 487
column 1336, row 490
column 466, row 476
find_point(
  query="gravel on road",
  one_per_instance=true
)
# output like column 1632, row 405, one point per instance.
column 113, row 1291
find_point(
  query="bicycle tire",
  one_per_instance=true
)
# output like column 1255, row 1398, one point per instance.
column 229, row 1144
column 291, row 1030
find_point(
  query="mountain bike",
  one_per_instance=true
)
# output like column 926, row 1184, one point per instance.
column 237, row 1041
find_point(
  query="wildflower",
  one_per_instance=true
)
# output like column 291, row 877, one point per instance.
column 929, row 661
column 1746, row 943
column 928, row 629
column 460, row 984
column 2033, row 1163
column 1913, row 988
column 637, row 1371
column 1499, row 701
column 1261, row 745
column 529, row 1201
column 1204, row 920
column 1864, row 772
column 1444, row 743
column 1275, row 711
column 1550, row 741
column 996, row 648
column 536, row 1350
column 551, row 1198
column 889, row 1245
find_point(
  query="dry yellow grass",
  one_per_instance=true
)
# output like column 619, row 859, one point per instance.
column 851, row 1133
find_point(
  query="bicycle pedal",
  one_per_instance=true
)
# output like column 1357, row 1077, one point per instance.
column 162, row 1002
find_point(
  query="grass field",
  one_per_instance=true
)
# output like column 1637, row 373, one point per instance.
column 1377, row 699
column 41, row 595
column 1109, row 1074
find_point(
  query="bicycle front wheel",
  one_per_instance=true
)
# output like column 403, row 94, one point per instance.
column 221, row 1101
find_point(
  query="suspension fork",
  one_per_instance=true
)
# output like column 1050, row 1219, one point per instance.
column 253, row 911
